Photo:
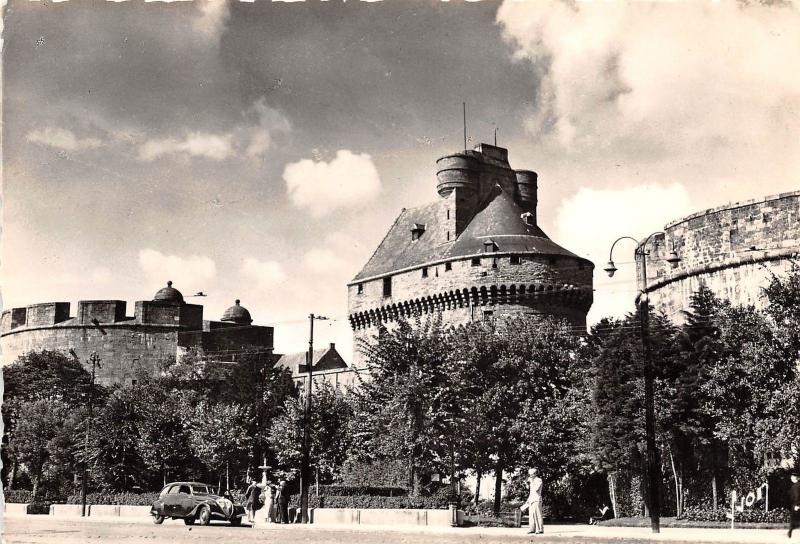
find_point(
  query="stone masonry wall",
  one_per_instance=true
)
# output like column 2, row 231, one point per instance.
column 553, row 286
column 125, row 350
column 733, row 250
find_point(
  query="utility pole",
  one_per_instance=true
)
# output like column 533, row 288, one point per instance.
column 95, row 360
column 305, row 467
column 653, row 463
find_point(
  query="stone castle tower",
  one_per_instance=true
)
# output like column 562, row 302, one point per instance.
column 475, row 253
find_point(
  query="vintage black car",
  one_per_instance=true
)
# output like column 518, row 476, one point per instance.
column 195, row 502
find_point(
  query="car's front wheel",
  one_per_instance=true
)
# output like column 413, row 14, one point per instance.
column 204, row 515
column 158, row 519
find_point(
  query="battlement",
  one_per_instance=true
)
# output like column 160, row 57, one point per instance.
column 471, row 175
column 105, row 312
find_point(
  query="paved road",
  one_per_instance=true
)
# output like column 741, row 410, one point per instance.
column 48, row 530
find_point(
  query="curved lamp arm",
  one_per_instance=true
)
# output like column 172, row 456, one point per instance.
column 611, row 251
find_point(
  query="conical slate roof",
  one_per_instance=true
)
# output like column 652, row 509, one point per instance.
column 502, row 221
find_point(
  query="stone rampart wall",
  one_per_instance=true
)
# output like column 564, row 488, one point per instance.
column 733, row 250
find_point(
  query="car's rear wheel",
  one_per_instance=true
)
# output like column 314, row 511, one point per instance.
column 236, row 521
column 158, row 519
column 204, row 515
column 189, row 520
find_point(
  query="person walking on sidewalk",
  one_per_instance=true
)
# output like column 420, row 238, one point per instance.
column 794, row 503
column 534, row 503
column 282, row 498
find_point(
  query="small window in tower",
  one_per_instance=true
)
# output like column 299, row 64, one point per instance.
column 448, row 235
column 488, row 315
column 476, row 261
column 424, row 271
column 448, row 213
column 514, row 259
column 494, row 263
column 387, row 286
column 448, row 267
column 360, row 288
column 133, row 382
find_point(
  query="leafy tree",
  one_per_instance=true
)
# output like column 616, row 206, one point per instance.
column 218, row 435
column 115, row 456
column 38, row 439
column 397, row 405
column 330, row 418
column 40, row 375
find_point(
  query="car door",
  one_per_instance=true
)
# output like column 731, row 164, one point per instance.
column 169, row 500
column 185, row 501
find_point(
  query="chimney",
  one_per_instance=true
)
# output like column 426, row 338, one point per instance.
column 333, row 347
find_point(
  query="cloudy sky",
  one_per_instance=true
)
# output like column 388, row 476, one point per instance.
column 260, row 150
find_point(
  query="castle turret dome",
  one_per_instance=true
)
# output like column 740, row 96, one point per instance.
column 168, row 294
column 237, row 314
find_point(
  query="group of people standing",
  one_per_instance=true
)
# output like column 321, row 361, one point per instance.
column 274, row 499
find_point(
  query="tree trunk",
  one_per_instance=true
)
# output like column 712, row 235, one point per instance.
column 498, row 485
column 35, row 492
column 678, row 485
column 714, row 490
column 478, row 475
column 612, row 493
column 12, row 475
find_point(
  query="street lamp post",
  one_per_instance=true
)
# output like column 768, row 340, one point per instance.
column 95, row 360
column 653, row 464
column 305, row 469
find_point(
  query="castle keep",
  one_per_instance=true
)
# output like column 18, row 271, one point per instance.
column 160, row 330
column 734, row 250
column 475, row 253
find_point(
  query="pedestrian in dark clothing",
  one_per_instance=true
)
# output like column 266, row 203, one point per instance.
column 282, row 498
column 794, row 503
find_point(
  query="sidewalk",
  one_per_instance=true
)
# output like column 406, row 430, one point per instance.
column 567, row 532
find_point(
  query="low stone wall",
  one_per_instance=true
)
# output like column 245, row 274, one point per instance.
column 377, row 516
column 66, row 510
column 15, row 509
column 104, row 510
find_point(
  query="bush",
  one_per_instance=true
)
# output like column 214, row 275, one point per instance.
column 385, row 473
column 436, row 501
column 695, row 513
column 130, row 499
column 349, row 490
column 41, row 507
column 18, row 495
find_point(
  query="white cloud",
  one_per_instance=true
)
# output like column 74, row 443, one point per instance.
column 321, row 187
column 192, row 273
column 712, row 87
column 591, row 220
column 214, row 15
column 270, row 122
column 252, row 138
column 61, row 138
column 324, row 261
column 267, row 275
column 195, row 144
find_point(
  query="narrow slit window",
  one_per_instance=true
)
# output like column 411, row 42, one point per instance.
column 387, row 287
column 448, row 267
column 424, row 271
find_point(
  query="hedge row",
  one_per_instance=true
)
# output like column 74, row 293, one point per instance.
column 777, row 515
column 369, row 501
column 350, row 490
column 131, row 499
column 18, row 495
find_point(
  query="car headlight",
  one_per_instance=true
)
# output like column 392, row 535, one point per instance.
column 226, row 506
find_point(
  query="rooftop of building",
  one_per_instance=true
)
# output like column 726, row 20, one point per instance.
column 499, row 220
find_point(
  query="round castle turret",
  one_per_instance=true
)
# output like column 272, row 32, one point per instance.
column 476, row 253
